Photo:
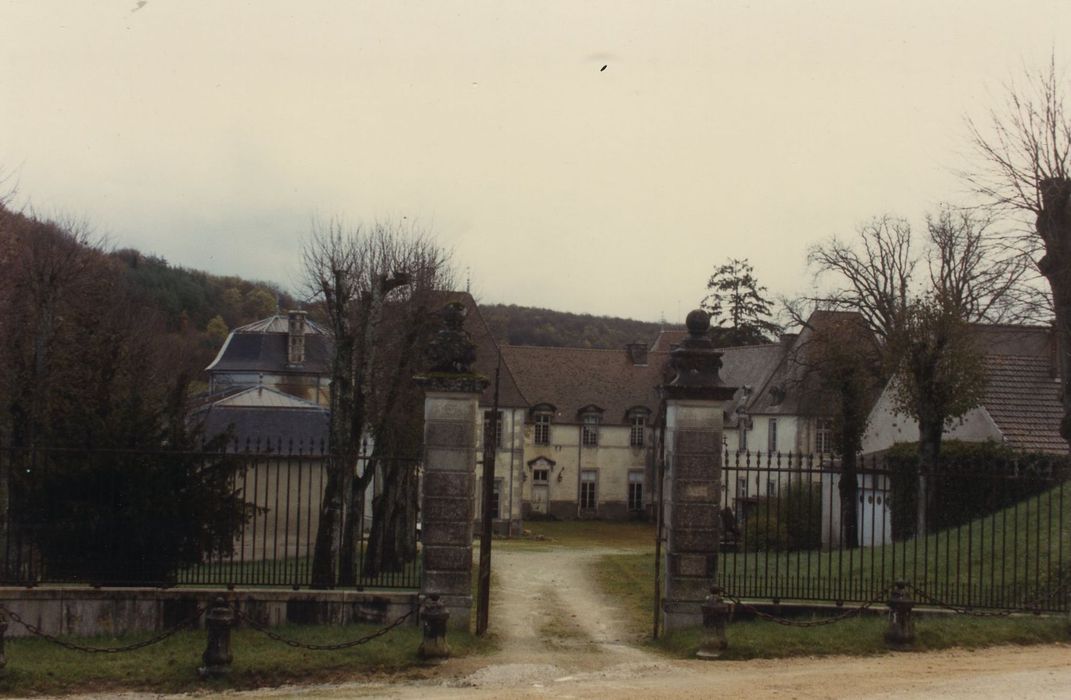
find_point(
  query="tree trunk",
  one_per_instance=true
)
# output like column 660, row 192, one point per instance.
column 931, row 431
column 326, row 551
column 352, row 529
column 1054, row 228
column 392, row 538
column 849, row 500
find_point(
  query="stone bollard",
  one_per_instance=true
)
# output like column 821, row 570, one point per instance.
column 715, row 616
column 901, row 630
column 434, row 616
column 217, row 657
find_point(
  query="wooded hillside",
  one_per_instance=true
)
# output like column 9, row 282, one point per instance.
column 525, row 325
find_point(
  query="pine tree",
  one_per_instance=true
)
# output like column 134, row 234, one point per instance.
column 738, row 311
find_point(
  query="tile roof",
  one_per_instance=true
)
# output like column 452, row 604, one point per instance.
column 1022, row 393
column 1034, row 341
column 573, row 378
column 1022, row 397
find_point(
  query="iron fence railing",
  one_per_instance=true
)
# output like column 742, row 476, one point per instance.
column 992, row 536
column 249, row 515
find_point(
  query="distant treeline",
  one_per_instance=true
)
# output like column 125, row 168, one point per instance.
column 524, row 325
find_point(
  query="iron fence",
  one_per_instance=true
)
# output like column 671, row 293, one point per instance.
column 808, row 527
column 249, row 515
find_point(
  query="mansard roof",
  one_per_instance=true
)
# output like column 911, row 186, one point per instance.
column 262, row 346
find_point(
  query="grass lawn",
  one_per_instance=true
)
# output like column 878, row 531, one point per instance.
column 35, row 666
column 1017, row 555
column 584, row 533
column 284, row 572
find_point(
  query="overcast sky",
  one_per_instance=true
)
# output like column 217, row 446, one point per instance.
column 212, row 133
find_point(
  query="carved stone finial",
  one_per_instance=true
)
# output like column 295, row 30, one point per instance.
column 452, row 349
column 695, row 363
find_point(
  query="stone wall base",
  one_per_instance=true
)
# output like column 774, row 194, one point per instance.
column 86, row 612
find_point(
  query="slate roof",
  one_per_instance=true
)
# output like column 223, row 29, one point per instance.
column 264, row 420
column 750, row 365
column 785, row 386
column 261, row 397
column 1022, row 397
column 667, row 339
column 260, row 351
column 279, row 323
column 574, row 378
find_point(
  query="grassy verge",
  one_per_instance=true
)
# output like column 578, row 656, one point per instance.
column 628, row 579
column 35, row 666
column 864, row 636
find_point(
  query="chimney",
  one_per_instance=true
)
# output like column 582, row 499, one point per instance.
column 296, row 337
column 637, row 352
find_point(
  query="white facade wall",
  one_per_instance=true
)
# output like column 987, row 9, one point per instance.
column 508, row 466
column 887, row 426
column 612, row 461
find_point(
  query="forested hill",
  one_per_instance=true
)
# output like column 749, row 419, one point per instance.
column 525, row 325
column 193, row 298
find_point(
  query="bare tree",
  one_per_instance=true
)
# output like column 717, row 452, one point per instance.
column 972, row 273
column 923, row 331
column 374, row 286
column 874, row 276
column 1024, row 151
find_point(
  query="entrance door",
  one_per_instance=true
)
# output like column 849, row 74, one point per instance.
column 540, row 490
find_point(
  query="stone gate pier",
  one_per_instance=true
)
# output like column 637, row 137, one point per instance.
column 695, row 399
column 451, row 405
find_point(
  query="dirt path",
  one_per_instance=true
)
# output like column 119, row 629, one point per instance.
column 551, row 622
